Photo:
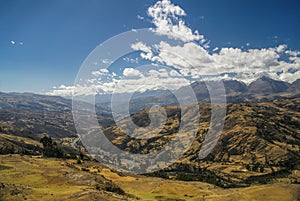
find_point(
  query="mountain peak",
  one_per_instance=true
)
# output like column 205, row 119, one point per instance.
column 267, row 85
column 295, row 86
column 265, row 77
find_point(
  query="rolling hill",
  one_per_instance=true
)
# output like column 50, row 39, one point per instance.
column 260, row 141
column 259, row 144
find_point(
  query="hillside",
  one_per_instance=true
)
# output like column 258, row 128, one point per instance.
column 32, row 115
column 258, row 139
column 35, row 178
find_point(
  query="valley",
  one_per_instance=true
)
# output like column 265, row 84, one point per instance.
column 256, row 157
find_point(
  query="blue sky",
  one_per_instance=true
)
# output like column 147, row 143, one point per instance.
column 43, row 43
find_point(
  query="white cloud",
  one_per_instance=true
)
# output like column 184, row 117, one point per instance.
column 131, row 72
column 131, row 60
column 62, row 90
column 237, row 60
column 290, row 77
column 165, row 16
column 281, row 48
column 106, row 61
column 186, row 57
column 215, row 49
column 96, row 73
column 292, row 53
column 163, row 72
column 189, row 59
column 174, row 73
column 146, row 51
column 132, row 81
column 193, row 60
column 206, row 45
column 152, row 82
column 140, row 46
column 140, row 17
column 16, row 43
column 102, row 71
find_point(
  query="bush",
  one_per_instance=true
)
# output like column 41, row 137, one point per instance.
column 51, row 149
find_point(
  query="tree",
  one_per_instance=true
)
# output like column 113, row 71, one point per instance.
column 46, row 141
column 50, row 148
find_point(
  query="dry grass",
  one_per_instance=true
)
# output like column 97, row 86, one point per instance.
column 35, row 178
column 148, row 188
column 21, row 139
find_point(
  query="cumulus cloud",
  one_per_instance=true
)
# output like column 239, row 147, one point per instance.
column 237, row 60
column 155, row 80
column 290, row 77
column 102, row 71
column 174, row 73
column 194, row 59
column 165, row 17
column 189, row 57
column 146, row 51
column 186, row 57
column 62, row 90
column 131, row 72
column 281, row 48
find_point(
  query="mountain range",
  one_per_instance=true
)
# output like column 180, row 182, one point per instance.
column 260, row 140
column 262, row 89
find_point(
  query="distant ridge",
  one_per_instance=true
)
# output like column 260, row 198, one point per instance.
column 262, row 89
column 34, row 115
column 266, row 85
column 295, row 86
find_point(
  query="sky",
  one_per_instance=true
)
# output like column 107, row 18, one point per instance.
column 44, row 43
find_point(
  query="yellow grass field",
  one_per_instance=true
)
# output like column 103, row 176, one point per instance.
column 35, row 178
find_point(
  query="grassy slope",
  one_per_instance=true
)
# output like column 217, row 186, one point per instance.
column 149, row 188
column 36, row 178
